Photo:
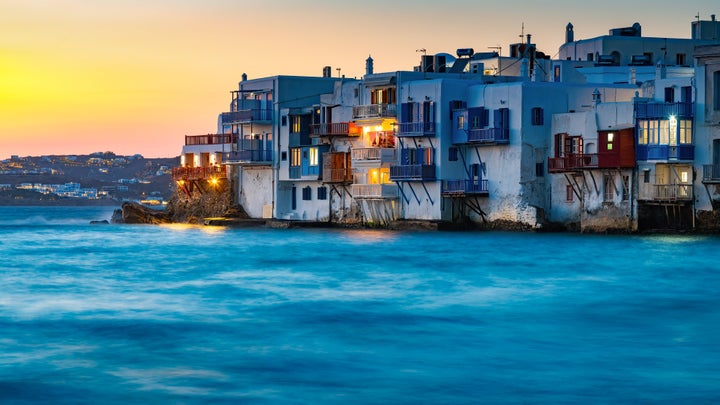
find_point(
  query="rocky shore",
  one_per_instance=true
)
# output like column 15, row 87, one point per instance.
column 217, row 208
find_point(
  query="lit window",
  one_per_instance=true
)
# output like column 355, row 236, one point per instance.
column 313, row 156
column 610, row 139
column 461, row 122
column 295, row 156
column 685, row 131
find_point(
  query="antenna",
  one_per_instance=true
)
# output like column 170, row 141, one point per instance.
column 499, row 49
column 338, row 69
column 698, row 16
column 423, row 50
column 522, row 31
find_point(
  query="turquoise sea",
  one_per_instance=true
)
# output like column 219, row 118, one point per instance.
column 135, row 314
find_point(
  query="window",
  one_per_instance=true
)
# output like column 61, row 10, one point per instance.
column 322, row 193
column 540, row 169
column 296, row 124
column 669, row 94
column 609, row 188
column 313, row 156
column 665, row 132
column 642, row 129
column 646, row 176
column 626, row 188
column 685, row 131
column 284, row 120
column 686, row 94
column 590, row 57
column 610, row 139
column 283, row 155
column 680, row 59
column 537, row 116
column 461, row 122
column 556, row 73
column 295, row 154
column 453, row 154
column 307, row 193
column 652, row 132
column 569, row 193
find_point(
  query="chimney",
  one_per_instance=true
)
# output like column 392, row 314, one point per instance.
column 327, row 71
column 569, row 33
column 369, row 65
column 244, row 77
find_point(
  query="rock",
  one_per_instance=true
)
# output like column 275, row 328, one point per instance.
column 134, row 213
column 117, row 217
column 101, row 222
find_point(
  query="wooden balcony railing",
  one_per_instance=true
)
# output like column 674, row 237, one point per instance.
column 374, row 111
column 409, row 129
column 242, row 116
column 374, row 154
column 332, row 129
column 673, row 192
column 461, row 187
column 663, row 110
column 412, row 172
column 573, row 162
column 336, row 175
column 489, row 135
column 369, row 191
column 210, row 139
column 198, row 173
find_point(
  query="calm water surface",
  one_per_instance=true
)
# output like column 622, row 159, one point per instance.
column 181, row 314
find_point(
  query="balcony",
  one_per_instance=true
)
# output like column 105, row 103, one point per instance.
column 374, row 111
column 246, row 116
column 250, row 157
column 488, row 135
column 337, row 175
column 673, row 192
column 198, row 173
column 334, row 129
column 415, row 129
column 663, row 110
column 375, row 191
column 461, row 188
column 373, row 155
column 210, row 139
column 336, row 168
column 711, row 173
column 412, row 173
column 665, row 152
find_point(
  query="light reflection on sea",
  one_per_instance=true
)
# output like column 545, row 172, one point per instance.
column 192, row 314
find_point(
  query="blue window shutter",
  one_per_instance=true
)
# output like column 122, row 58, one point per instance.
column 405, row 112
column 420, row 156
column 404, row 156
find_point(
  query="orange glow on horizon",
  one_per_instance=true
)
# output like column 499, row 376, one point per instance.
column 135, row 77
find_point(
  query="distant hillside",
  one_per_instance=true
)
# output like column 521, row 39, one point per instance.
column 116, row 178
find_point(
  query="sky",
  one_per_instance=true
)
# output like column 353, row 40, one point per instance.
column 136, row 76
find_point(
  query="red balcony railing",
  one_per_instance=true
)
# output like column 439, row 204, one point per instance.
column 333, row 129
column 210, row 139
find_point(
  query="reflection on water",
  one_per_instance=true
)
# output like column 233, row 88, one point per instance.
column 193, row 314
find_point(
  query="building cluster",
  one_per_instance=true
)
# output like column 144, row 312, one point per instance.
column 620, row 132
column 70, row 190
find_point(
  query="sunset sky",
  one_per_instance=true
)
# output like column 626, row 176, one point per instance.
column 135, row 76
